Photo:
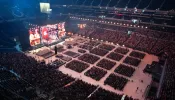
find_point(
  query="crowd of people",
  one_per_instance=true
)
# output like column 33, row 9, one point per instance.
column 86, row 47
column 99, row 51
column 122, row 50
column 57, row 63
column 106, row 64
column 137, row 54
column 106, row 47
column 81, row 51
column 115, row 56
column 125, row 70
column 141, row 39
column 77, row 66
column 168, row 87
column 52, row 82
column 71, row 54
column 78, row 90
column 13, row 83
column 116, row 82
column 38, row 74
column 96, row 73
column 89, row 58
column 150, row 41
column 92, row 43
column 132, row 61
column 99, row 95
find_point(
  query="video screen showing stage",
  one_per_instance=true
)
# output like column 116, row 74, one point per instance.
column 49, row 34
column 34, row 37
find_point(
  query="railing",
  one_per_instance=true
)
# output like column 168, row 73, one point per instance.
column 161, row 79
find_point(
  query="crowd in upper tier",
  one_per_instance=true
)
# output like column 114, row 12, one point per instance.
column 145, row 40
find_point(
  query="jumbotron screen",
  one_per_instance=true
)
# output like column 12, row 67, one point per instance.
column 34, row 37
column 61, row 30
column 49, row 34
column 45, row 7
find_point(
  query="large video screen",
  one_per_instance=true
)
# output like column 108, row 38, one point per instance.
column 44, row 7
column 34, row 37
column 49, row 34
column 61, row 30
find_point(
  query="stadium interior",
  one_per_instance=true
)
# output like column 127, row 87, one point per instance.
column 87, row 49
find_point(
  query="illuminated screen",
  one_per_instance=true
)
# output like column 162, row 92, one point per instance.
column 61, row 30
column 81, row 26
column 45, row 7
column 129, row 32
column 34, row 37
column 49, row 34
column 135, row 21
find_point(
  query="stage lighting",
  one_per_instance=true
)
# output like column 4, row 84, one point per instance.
column 45, row 33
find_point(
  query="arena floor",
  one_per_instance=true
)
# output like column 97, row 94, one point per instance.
column 131, row 86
